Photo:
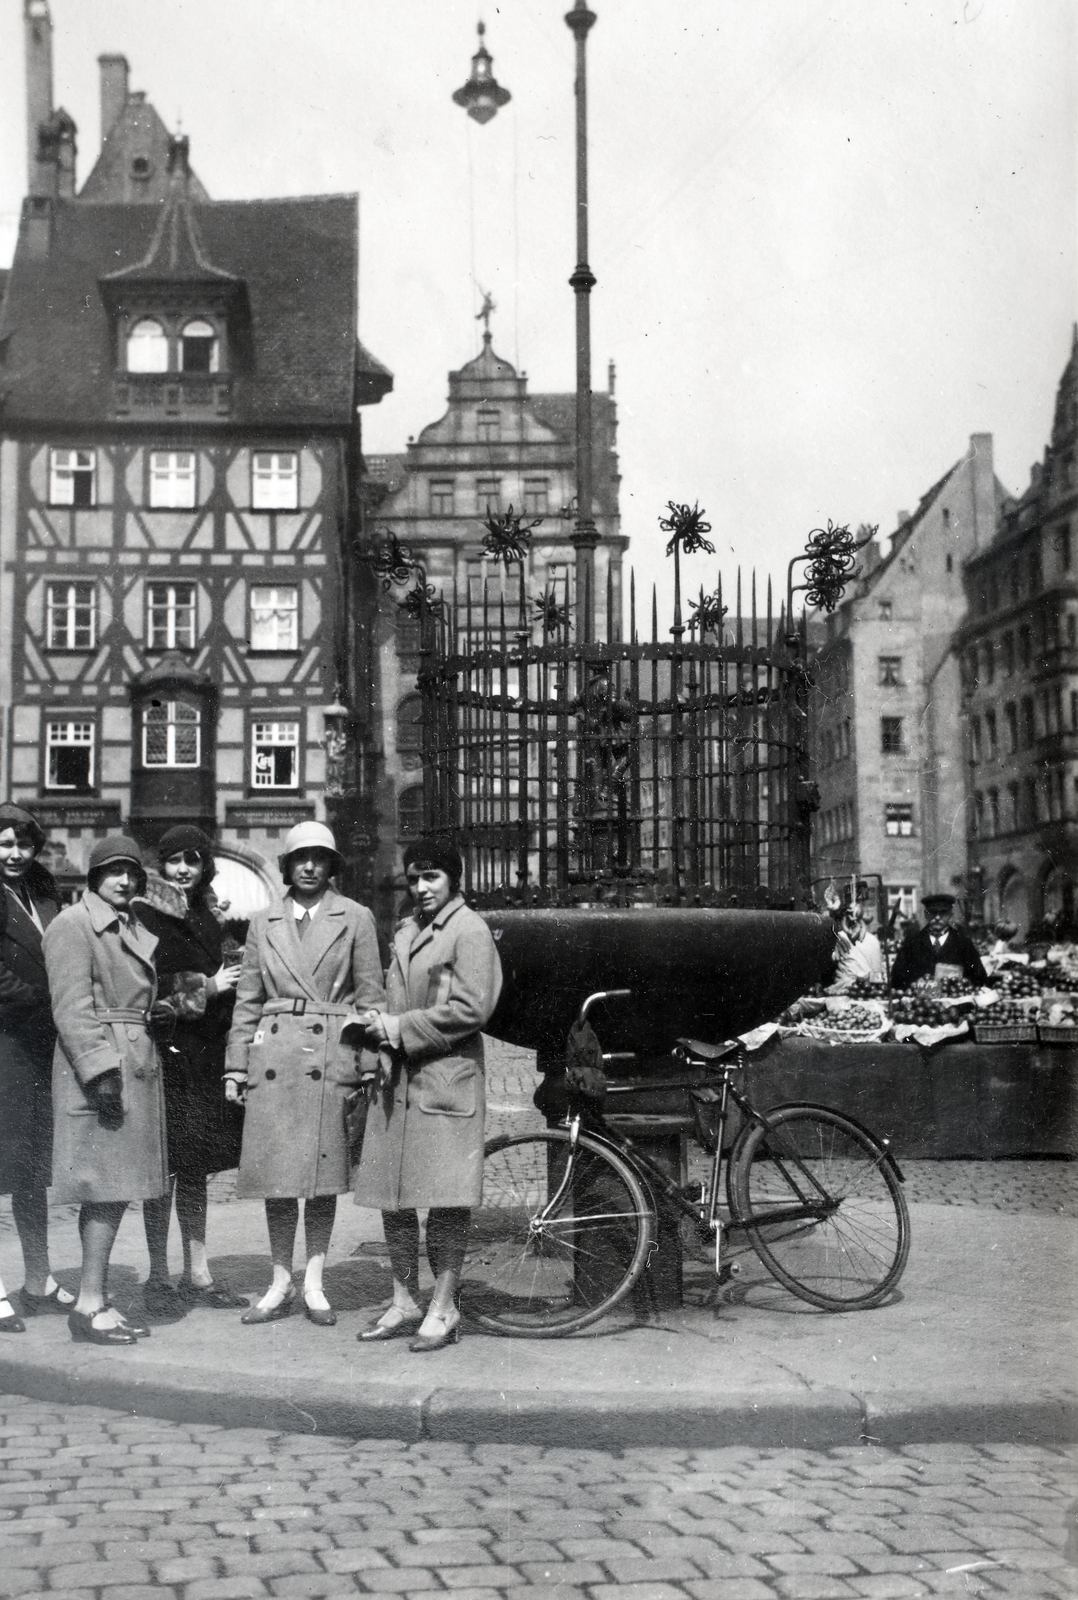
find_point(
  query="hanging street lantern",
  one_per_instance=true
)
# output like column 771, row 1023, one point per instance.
column 482, row 95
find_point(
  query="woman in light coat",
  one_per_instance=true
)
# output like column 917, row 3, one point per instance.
column 108, row 1102
column 311, row 959
column 423, row 1144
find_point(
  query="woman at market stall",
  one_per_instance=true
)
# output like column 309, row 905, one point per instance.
column 311, row 959
column 109, row 1142
column 29, row 900
column 858, row 954
column 195, row 993
column 423, row 1144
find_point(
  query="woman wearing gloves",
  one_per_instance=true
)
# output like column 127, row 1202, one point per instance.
column 423, row 1144
column 109, row 1106
column 195, row 990
column 311, row 959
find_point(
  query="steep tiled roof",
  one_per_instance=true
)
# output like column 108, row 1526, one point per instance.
column 297, row 258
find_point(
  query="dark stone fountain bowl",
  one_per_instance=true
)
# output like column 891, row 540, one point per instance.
column 694, row 971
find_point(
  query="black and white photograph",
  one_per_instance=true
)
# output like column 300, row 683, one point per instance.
column 538, row 799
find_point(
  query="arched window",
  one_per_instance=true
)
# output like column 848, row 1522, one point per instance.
column 199, row 348
column 171, row 734
column 147, row 347
column 410, row 813
column 410, row 723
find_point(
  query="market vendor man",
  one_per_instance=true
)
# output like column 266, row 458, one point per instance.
column 939, row 944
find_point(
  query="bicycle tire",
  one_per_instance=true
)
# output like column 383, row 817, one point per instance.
column 542, row 1277
column 850, row 1254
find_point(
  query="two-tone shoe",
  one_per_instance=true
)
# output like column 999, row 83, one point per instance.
column 83, row 1331
column 276, row 1313
column 392, row 1324
column 444, row 1330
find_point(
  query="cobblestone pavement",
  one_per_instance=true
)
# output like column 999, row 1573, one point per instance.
column 98, row 1505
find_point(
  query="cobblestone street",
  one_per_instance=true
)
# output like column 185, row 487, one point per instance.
column 99, row 1504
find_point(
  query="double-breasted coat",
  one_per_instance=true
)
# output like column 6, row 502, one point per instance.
column 291, row 1002
column 918, row 957
column 99, row 965
column 27, row 1039
column 423, row 1144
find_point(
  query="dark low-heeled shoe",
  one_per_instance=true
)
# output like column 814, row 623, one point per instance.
column 43, row 1305
column 12, row 1324
column 218, row 1296
column 137, row 1328
column 450, row 1333
column 274, row 1313
column 326, row 1318
column 83, row 1331
column 160, row 1299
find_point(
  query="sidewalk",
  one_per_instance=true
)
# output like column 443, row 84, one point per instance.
column 981, row 1345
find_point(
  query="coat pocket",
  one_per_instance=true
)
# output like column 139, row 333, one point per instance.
column 445, row 1089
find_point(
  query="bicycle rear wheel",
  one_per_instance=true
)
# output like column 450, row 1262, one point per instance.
column 822, row 1207
column 560, row 1237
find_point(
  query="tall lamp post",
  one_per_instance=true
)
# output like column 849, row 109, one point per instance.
column 481, row 96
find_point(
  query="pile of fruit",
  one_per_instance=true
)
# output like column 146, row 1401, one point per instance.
column 1018, row 983
column 1005, row 1014
column 866, row 989
column 922, row 1010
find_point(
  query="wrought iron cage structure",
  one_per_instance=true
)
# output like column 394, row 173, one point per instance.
column 656, row 770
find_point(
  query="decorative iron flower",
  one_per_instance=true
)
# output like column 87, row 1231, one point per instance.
column 393, row 562
column 709, row 612
column 549, row 613
column 687, row 526
column 830, row 567
column 508, row 536
column 422, row 602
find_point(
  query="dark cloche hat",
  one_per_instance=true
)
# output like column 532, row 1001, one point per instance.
column 184, row 837
column 115, row 848
column 440, row 854
column 23, row 822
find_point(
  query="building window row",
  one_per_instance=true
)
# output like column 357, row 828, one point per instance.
column 1023, row 578
column 173, row 479
column 838, row 823
column 535, row 496
column 1023, row 803
column 192, row 346
column 71, row 616
column 171, row 737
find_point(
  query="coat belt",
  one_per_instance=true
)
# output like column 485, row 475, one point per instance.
column 121, row 1015
column 301, row 1007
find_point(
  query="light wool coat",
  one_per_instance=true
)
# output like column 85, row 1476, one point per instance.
column 97, row 964
column 423, row 1144
column 299, row 1074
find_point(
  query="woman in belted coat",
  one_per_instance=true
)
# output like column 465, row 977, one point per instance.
column 310, row 959
column 423, row 1144
column 29, row 900
column 108, row 1102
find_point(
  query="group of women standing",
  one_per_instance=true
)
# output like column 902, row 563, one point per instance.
column 169, row 1060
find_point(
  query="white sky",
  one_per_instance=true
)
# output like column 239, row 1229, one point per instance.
column 832, row 239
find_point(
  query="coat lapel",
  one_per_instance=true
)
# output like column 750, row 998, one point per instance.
column 22, row 928
column 328, row 926
column 282, row 937
column 136, row 939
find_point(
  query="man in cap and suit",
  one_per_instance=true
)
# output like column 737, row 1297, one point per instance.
column 940, row 943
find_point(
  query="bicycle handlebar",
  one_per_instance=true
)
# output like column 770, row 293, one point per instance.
column 601, row 994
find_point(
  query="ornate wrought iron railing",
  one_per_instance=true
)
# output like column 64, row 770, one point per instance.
column 637, row 770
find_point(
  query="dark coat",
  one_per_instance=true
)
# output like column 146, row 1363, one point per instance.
column 291, row 1003
column 423, row 1144
column 918, row 957
column 27, row 1038
column 204, row 1129
column 97, row 964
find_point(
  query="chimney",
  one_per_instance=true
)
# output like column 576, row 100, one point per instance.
column 41, row 170
column 983, row 474
column 114, row 71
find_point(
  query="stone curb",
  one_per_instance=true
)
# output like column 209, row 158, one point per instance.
column 688, row 1419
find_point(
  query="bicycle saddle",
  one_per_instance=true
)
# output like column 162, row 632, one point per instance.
column 708, row 1052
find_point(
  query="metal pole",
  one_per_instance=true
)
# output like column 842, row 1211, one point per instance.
column 585, row 536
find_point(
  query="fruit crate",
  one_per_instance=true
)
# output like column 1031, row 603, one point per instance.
column 1005, row 1032
column 1056, row 1035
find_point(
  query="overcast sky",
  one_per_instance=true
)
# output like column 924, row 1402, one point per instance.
column 832, row 239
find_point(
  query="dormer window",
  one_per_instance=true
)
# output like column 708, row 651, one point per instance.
column 147, row 347
column 199, row 348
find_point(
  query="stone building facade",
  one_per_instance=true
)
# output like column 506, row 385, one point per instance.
column 180, row 471
column 1019, row 652
column 888, row 698
column 496, row 446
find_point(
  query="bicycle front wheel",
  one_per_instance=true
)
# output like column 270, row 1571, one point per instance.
column 822, row 1207
column 561, row 1236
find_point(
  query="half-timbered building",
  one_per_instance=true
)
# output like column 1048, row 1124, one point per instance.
column 179, row 476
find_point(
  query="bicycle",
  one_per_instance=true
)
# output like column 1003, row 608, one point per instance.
column 569, row 1218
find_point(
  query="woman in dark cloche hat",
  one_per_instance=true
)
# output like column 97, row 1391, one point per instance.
column 29, row 900
column 197, row 968
column 109, row 1141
